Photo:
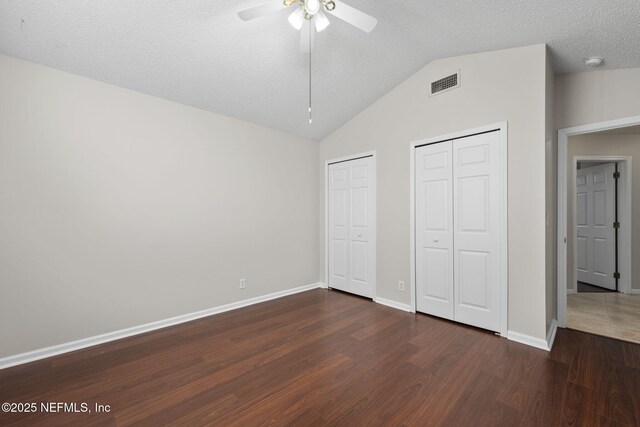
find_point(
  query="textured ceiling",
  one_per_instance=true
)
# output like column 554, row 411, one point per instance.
column 200, row 53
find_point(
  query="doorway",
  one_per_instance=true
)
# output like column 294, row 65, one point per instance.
column 596, row 290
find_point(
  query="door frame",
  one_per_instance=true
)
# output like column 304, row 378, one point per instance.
column 502, row 128
column 624, row 216
column 563, row 145
column 371, row 154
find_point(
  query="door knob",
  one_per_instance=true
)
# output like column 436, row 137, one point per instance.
column 436, row 240
column 359, row 235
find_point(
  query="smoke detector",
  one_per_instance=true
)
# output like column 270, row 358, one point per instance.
column 594, row 61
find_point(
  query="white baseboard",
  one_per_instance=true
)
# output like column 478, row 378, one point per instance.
column 55, row 350
column 393, row 304
column 551, row 334
column 322, row 285
column 528, row 340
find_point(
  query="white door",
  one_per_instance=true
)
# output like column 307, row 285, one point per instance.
column 351, row 226
column 338, row 226
column 477, row 236
column 458, row 230
column 434, row 229
column 595, row 215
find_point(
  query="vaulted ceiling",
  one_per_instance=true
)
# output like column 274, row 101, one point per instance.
column 200, row 53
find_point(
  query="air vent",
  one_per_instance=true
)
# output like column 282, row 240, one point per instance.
column 445, row 84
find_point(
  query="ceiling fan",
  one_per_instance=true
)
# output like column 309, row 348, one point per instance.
column 306, row 12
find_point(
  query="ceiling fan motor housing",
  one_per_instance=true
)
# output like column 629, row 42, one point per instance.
column 312, row 6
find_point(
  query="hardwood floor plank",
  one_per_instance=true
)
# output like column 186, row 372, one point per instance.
column 546, row 390
column 580, row 406
column 614, row 398
column 327, row 358
column 438, row 383
column 201, row 409
column 631, row 355
column 276, row 406
column 519, row 373
column 632, row 382
column 479, row 406
column 567, row 347
column 357, row 384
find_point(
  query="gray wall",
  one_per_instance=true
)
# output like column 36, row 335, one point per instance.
column 506, row 85
column 596, row 96
column 119, row 209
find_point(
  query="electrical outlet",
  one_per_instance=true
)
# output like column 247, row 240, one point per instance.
column 401, row 285
column 243, row 283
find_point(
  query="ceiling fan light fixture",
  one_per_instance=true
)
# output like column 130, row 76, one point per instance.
column 297, row 18
column 312, row 6
column 330, row 5
column 289, row 2
column 321, row 21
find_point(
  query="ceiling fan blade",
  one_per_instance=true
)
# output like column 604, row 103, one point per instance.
column 307, row 33
column 261, row 10
column 354, row 17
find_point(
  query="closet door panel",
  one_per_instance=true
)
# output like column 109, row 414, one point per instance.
column 434, row 229
column 338, row 226
column 351, row 226
column 362, row 227
column 477, row 216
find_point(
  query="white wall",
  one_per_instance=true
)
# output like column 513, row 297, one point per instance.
column 596, row 96
column 597, row 144
column 507, row 85
column 118, row 209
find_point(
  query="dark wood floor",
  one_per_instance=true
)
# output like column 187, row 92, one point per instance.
column 326, row 358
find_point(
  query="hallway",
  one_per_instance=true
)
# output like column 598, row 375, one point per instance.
column 608, row 314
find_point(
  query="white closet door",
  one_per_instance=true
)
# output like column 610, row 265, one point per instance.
column 352, row 250
column 362, row 255
column 595, row 214
column 477, row 220
column 339, row 226
column 434, row 229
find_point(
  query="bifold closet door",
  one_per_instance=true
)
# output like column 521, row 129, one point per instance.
column 434, row 229
column 351, row 226
column 458, row 219
column 477, row 221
